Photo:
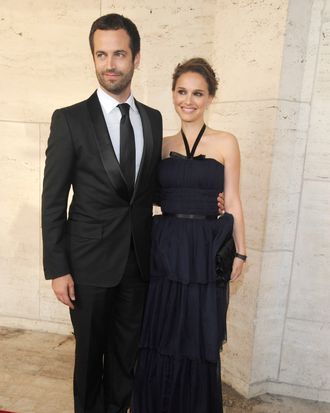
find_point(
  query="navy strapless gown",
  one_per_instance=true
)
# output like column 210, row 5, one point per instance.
column 178, row 369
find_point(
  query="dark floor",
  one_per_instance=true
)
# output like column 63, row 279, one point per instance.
column 36, row 370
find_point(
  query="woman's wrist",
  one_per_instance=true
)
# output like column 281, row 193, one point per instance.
column 242, row 257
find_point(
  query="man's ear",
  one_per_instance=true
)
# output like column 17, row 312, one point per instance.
column 137, row 60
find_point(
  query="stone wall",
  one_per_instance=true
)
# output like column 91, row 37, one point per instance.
column 272, row 58
column 298, row 244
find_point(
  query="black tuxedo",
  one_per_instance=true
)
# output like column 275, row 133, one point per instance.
column 93, row 243
column 104, row 243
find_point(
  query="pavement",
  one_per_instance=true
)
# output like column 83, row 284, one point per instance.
column 36, row 377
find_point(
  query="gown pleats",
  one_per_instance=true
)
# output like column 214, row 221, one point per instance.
column 178, row 369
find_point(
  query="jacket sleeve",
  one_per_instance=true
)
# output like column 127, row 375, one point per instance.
column 56, row 185
column 156, row 198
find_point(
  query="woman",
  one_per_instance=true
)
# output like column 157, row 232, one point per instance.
column 185, row 314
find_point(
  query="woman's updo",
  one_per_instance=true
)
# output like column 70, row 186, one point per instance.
column 197, row 65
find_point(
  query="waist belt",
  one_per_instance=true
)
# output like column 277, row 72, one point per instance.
column 190, row 216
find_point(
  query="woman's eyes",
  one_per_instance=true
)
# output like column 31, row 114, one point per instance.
column 183, row 92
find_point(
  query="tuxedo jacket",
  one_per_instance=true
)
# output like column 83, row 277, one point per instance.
column 92, row 241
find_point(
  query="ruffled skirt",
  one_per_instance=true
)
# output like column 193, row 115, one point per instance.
column 184, row 327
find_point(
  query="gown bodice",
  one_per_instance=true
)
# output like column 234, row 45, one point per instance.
column 190, row 185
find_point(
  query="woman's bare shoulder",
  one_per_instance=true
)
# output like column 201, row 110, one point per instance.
column 220, row 145
column 222, row 136
column 167, row 138
column 168, row 143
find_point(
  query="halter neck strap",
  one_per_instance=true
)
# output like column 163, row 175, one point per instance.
column 190, row 153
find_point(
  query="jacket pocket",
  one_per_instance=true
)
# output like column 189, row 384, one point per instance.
column 85, row 230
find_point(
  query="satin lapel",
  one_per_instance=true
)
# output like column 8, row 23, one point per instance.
column 107, row 153
column 147, row 146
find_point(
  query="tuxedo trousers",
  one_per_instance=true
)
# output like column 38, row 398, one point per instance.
column 107, row 323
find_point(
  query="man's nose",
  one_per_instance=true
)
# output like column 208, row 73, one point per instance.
column 110, row 62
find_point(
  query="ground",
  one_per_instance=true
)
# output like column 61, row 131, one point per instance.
column 36, row 371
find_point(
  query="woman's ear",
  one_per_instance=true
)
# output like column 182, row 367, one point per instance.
column 209, row 101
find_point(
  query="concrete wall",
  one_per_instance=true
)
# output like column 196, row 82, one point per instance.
column 272, row 58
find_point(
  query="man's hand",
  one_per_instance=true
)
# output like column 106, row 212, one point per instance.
column 63, row 288
column 221, row 203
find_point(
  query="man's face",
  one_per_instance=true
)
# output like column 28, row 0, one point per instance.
column 113, row 60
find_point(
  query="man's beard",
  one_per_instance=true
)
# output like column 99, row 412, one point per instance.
column 118, row 86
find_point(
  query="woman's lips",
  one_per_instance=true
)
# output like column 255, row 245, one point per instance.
column 187, row 109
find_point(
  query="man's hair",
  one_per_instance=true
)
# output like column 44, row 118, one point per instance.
column 115, row 21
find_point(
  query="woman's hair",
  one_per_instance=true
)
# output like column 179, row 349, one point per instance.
column 197, row 65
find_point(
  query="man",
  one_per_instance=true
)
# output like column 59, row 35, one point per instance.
column 98, row 257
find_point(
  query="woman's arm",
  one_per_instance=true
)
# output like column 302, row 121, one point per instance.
column 233, row 205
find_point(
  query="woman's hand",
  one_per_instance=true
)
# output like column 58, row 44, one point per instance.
column 237, row 269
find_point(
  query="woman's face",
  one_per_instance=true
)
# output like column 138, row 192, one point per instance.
column 191, row 96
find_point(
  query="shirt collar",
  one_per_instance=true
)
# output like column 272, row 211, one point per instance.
column 109, row 103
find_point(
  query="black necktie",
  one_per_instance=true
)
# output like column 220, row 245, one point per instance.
column 127, row 147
